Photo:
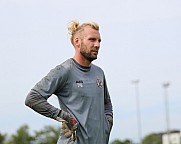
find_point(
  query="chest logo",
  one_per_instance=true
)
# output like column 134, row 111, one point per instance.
column 99, row 83
column 79, row 83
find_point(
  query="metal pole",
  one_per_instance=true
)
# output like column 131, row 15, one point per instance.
column 166, row 85
column 136, row 82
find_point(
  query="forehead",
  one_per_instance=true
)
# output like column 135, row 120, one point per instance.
column 90, row 32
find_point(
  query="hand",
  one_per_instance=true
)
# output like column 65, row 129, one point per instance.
column 110, row 120
column 70, row 121
column 66, row 131
column 69, row 125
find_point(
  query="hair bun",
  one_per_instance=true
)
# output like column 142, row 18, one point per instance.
column 72, row 28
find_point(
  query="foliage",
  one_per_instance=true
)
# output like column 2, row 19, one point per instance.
column 116, row 142
column 48, row 135
column 2, row 138
column 22, row 136
column 127, row 141
column 152, row 139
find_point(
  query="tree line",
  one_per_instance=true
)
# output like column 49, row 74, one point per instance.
column 50, row 134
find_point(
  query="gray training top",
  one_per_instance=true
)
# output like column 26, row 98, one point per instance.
column 82, row 92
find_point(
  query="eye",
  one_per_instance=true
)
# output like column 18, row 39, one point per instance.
column 92, row 39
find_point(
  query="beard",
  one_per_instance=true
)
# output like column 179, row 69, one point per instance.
column 88, row 54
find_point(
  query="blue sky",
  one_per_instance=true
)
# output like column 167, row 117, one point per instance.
column 140, row 40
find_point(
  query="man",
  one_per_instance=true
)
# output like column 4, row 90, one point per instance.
column 85, row 104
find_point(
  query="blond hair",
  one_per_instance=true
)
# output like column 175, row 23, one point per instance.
column 75, row 27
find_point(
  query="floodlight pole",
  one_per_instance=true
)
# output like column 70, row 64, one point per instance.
column 136, row 82
column 165, row 86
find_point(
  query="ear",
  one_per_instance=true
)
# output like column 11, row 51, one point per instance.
column 77, row 42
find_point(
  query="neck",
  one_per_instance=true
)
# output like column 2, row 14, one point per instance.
column 82, row 61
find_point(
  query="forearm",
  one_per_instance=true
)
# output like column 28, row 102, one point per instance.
column 109, row 113
column 39, row 104
column 108, row 108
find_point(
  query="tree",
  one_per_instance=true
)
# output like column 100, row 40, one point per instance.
column 116, row 142
column 127, row 141
column 22, row 136
column 48, row 135
column 152, row 139
column 2, row 138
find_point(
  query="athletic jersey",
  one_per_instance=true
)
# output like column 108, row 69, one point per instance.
column 83, row 93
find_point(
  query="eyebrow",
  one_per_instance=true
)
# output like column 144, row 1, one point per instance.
column 93, row 38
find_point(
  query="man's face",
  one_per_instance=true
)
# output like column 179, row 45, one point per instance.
column 90, row 44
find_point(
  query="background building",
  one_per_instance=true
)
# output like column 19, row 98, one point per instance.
column 173, row 137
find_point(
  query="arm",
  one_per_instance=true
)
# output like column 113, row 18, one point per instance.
column 109, row 113
column 39, row 104
column 108, row 105
column 52, row 83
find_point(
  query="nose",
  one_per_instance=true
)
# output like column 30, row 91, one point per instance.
column 97, row 45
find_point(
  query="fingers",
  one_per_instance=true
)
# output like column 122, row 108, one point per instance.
column 60, row 119
column 66, row 131
column 74, row 126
